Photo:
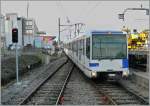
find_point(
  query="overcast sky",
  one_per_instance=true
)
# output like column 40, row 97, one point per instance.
column 95, row 14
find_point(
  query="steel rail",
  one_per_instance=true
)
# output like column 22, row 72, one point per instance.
column 143, row 100
column 24, row 101
column 107, row 96
column 64, row 86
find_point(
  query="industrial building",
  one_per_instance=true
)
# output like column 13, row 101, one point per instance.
column 44, row 41
column 30, row 30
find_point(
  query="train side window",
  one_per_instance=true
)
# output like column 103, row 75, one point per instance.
column 83, row 46
column 73, row 46
column 70, row 46
column 77, row 47
column 88, row 47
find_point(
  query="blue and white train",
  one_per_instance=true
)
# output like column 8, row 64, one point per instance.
column 99, row 53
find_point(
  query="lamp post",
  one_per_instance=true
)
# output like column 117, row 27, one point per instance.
column 121, row 16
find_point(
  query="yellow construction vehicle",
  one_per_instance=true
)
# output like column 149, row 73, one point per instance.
column 138, row 40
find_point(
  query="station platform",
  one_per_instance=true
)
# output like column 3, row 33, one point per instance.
column 139, row 52
column 139, row 77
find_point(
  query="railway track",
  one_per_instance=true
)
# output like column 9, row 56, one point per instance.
column 80, row 91
column 117, row 94
column 49, row 91
column 68, row 86
column 83, row 91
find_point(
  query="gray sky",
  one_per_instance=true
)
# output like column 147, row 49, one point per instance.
column 95, row 14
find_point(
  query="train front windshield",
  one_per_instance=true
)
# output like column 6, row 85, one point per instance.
column 109, row 46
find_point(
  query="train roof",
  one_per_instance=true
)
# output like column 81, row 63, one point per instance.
column 99, row 32
column 76, row 38
column 95, row 32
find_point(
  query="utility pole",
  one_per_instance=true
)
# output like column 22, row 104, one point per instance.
column 27, row 9
column 58, row 31
column 28, row 21
column 77, row 28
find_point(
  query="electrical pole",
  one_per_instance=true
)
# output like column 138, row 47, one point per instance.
column 58, row 31
column 75, row 30
column 27, row 9
column 28, row 21
column 76, row 26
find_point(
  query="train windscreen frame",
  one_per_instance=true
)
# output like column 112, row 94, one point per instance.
column 109, row 46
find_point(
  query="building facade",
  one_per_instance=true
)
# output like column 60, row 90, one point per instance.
column 29, row 31
column 2, row 30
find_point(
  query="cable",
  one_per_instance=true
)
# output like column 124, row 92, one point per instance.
column 91, row 10
column 59, row 4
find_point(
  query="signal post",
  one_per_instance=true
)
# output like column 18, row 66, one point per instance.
column 15, row 40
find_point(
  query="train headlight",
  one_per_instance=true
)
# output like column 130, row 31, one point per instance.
column 94, row 74
column 125, row 73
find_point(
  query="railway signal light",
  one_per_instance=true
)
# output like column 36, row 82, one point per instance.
column 134, row 30
column 15, row 35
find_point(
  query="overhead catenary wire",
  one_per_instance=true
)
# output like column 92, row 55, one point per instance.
column 62, row 10
column 77, row 26
column 88, row 13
